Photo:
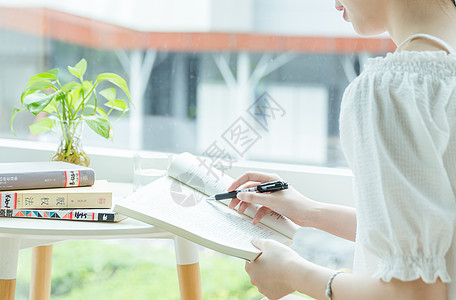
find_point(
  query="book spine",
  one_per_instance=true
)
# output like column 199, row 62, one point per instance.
column 8, row 200
column 75, row 215
column 43, row 200
column 50, row 179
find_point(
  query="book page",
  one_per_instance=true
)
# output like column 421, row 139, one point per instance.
column 196, row 173
column 179, row 209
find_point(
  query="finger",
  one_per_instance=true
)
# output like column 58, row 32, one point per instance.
column 252, row 176
column 248, row 184
column 248, row 267
column 258, row 243
column 234, row 202
column 262, row 211
column 255, row 198
column 242, row 207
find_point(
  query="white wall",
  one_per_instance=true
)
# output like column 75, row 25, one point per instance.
column 301, row 17
column 289, row 17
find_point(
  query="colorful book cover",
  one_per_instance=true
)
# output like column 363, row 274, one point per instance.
column 95, row 215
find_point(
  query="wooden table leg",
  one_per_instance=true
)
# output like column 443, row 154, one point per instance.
column 40, row 281
column 188, row 270
column 9, row 253
column 7, row 288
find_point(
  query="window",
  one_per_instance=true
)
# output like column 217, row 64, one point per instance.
column 258, row 80
column 261, row 80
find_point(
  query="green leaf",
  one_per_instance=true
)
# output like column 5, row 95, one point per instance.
column 87, row 87
column 34, row 85
column 70, row 86
column 119, row 105
column 54, row 72
column 114, row 79
column 75, row 97
column 79, row 69
column 109, row 93
column 99, row 124
column 50, row 75
column 74, row 72
column 98, row 110
column 36, row 102
column 41, row 126
column 38, row 84
column 102, row 113
column 81, row 66
column 52, row 107
column 13, row 115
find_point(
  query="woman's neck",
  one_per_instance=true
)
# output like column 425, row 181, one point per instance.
column 424, row 16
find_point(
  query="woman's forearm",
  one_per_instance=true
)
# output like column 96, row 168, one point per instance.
column 335, row 219
column 311, row 279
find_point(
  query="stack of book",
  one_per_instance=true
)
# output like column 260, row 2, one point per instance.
column 54, row 190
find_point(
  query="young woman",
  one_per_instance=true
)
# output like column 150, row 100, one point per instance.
column 398, row 132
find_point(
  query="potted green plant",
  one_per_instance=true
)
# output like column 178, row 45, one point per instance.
column 71, row 105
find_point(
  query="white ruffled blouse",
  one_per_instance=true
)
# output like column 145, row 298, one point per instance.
column 398, row 132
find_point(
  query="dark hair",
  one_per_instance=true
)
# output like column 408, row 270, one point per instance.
column 446, row 2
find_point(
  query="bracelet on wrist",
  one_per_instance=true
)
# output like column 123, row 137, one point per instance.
column 328, row 292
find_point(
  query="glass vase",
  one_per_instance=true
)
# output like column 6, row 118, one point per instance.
column 70, row 149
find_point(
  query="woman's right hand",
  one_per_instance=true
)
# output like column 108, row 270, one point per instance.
column 289, row 202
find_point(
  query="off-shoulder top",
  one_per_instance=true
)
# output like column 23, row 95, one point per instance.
column 398, row 132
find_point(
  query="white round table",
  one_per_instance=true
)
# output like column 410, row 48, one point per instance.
column 19, row 233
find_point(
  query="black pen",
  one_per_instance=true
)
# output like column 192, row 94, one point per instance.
column 261, row 188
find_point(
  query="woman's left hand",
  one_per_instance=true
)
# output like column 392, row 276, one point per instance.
column 273, row 271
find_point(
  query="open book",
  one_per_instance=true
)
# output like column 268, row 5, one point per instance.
column 177, row 203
